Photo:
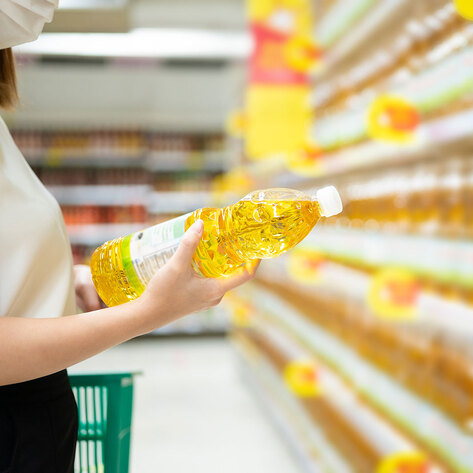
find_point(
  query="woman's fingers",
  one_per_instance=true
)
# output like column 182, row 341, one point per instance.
column 86, row 294
column 253, row 265
column 189, row 243
column 240, row 276
column 90, row 298
column 80, row 303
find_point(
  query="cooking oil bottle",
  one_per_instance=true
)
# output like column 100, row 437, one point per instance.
column 264, row 224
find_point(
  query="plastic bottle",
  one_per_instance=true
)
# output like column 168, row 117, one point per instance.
column 264, row 224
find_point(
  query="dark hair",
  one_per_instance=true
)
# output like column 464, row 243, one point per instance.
column 8, row 88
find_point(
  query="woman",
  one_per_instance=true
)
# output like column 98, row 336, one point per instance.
column 38, row 287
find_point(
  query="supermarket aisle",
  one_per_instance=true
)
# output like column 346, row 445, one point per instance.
column 193, row 413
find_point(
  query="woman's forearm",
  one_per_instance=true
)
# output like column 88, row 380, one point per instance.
column 30, row 348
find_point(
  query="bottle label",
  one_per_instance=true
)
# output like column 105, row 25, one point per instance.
column 152, row 248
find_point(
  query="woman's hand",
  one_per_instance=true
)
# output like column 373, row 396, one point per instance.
column 177, row 290
column 35, row 347
column 87, row 298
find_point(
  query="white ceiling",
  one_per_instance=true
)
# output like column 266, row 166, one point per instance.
column 192, row 94
column 128, row 95
column 189, row 94
column 214, row 14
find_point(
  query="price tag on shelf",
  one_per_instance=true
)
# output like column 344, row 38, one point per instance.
column 54, row 156
column 302, row 378
column 393, row 294
column 405, row 462
column 302, row 54
column 240, row 310
column 306, row 162
column 393, row 119
column 465, row 8
column 303, row 265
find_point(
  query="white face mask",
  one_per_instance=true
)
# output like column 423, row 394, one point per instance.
column 22, row 21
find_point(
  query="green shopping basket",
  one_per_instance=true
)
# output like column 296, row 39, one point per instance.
column 105, row 403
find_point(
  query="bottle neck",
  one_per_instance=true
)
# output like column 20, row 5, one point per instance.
column 317, row 210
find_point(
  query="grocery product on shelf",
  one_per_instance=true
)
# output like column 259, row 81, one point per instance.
column 264, row 224
column 357, row 392
column 87, row 214
column 423, row 61
column 125, row 148
column 357, row 433
column 382, row 294
column 431, row 360
column 111, row 182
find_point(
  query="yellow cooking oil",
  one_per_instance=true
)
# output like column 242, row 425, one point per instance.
column 262, row 225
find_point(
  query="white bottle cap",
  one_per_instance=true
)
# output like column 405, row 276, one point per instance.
column 329, row 201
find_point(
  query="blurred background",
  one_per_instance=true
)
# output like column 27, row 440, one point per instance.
column 352, row 353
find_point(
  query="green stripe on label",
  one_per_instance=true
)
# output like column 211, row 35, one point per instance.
column 129, row 268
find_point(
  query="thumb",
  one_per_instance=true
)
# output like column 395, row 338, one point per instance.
column 189, row 243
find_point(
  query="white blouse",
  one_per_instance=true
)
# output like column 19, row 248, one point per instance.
column 36, row 278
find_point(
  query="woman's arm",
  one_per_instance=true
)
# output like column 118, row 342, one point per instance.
column 30, row 348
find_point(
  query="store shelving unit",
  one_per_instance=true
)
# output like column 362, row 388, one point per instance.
column 119, row 195
column 432, row 137
column 354, row 25
column 357, row 391
column 306, row 438
column 178, row 202
column 411, row 415
column 378, row 299
column 110, row 183
column 376, row 249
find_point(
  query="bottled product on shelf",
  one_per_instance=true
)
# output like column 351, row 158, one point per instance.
column 264, row 224
column 59, row 176
column 383, row 293
column 111, row 182
column 361, row 442
column 121, row 148
column 278, row 315
column 89, row 214
column 430, row 361
column 424, row 61
column 432, row 198
column 100, row 177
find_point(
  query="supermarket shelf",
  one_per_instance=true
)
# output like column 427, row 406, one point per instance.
column 116, row 195
column 453, row 261
column 314, row 452
column 424, row 422
column 125, row 195
column 211, row 161
column 434, row 313
column 166, row 161
column 363, row 32
column 350, row 125
column 178, row 202
column 101, row 162
column 339, row 18
column 380, row 438
column 156, row 203
column 432, row 136
column 96, row 234
column 337, row 393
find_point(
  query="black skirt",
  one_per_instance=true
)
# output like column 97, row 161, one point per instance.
column 38, row 426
